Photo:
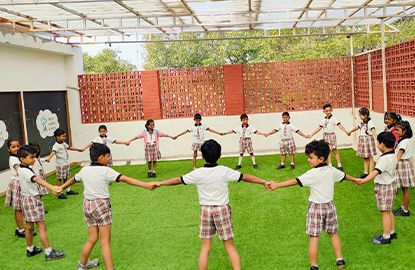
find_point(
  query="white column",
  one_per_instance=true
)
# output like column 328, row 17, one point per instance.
column 385, row 94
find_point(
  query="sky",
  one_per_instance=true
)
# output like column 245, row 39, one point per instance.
column 132, row 52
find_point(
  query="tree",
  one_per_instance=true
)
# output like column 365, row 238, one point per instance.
column 105, row 62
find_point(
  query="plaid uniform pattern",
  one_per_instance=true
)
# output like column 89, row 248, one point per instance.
column 196, row 147
column 97, row 212
column 216, row 218
column 151, row 152
column 13, row 197
column 32, row 208
column 62, row 172
column 42, row 190
column 385, row 195
column 405, row 173
column 366, row 146
column 321, row 217
column 330, row 138
column 245, row 144
column 287, row 146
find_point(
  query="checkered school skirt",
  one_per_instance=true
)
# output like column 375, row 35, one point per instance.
column 97, row 212
column 287, row 146
column 216, row 218
column 13, row 197
column 385, row 195
column 366, row 147
column 405, row 173
column 330, row 139
column 245, row 144
column 321, row 217
column 62, row 172
column 32, row 208
column 152, row 153
column 196, row 147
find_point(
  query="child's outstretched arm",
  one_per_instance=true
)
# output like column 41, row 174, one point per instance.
column 87, row 146
column 75, row 149
column 315, row 131
column 138, row 183
column 50, row 156
column 272, row 185
column 352, row 130
column 139, row 136
column 127, row 143
column 261, row 133
column 181, row 134
column 68, row 183
column 271, row 132
column 226, row 133
column 299, row 132
column 171, row 182
column 214, row 131
column 343, row 128
column 253, row 179
column 368, row 178
column 55, row 189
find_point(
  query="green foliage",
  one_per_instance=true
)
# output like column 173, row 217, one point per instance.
column 105, row 62
column 219, row 51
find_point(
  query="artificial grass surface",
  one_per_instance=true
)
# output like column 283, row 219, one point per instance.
column 158, row 230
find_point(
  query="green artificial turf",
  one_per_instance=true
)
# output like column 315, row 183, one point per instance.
column 158, row 230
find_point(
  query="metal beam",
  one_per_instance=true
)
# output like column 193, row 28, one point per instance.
column 323, row 11
column 367, row 2
column 303, row 12
column 194, row 15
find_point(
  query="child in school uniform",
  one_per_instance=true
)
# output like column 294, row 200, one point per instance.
column 366, row 147
column 390, row 119
column 14, row 189
column 151, row 137
column 215, row 213
column 321, row 214
column 405, row 175
column 287, row 143
column 105, row 140
column 38, row 168
column 384, row 175
column 32, row 206
column 198, row 131
column 60, row 150
column 97, row 204
column 329, row 124
column 245, row 131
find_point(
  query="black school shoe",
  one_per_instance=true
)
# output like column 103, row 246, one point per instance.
column 149, row 174
column 281, row 167
column 401, row 213
column 154, row 175
column 379, row 240
column 62, row 196
column 22, row 234
column 237, row 167
column 393, row 236
column 36, row 250
column 292, row 167
column 72, row 192
column 54, row 255
column 340, row 168
column 255, row 166
column 313, row 267
column 341, row 264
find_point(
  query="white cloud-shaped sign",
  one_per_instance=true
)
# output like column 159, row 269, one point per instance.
column 4, row 135
column 46, row 122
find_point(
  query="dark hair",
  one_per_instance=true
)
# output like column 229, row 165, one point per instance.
column 286, row 113
column 59, row 132
column 197, row 117
column 387, row 138
column 243, row 116
column 149, row 121
column 36, row 146
column 404, row 125
column 319, row 148
column 211, row 151
column 97, row 150
column 26, row 150
column 102, row 127
column 327, row 105
column 395, row 116
column 9, row 142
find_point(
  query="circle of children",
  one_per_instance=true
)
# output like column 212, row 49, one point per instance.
column 393, row 168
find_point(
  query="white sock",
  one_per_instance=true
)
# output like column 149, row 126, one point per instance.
column 365, row 172
column 68, row 189
column 21, row 230
column 292, row 163
column 338, row 259
column 339, row 164
column 240, row 160
column 253, row 160
column 386, row 236
column 48, row 250
column 30, row 249
column 392, row 232
column 330, row 164
column 282, row 164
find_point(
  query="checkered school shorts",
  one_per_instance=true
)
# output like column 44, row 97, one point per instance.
column 330, row 138
column 196, row 147
column 62, row 172
column 151, row 152
column 245, row 144
column 287, row 146
column 385, row 195
column 97, row 212
column 405, row 173
column 42, row 190
column 321, row 217
column 32, row 208
column 13, row 197
column 216, row 218
column 366, row 147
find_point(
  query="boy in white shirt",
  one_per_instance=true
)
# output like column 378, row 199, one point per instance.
column 321, row 211
column 215, row 213
column 385, row 186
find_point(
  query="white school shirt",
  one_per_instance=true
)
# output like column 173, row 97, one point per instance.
column 321, row 180
column 245, row 132
column 286, row 130
column 212, row 183
column 103, row 140
column 151, row 137
column 28, row 186
column 198, row 133
column 366, row 128
column 38, row 168
column 61, row 152
column 404, row 145
column 13, row 160
column 96, row 179
column 329, row 124
column 386, row 167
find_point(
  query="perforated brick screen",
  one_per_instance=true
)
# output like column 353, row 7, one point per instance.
column 361, row 80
